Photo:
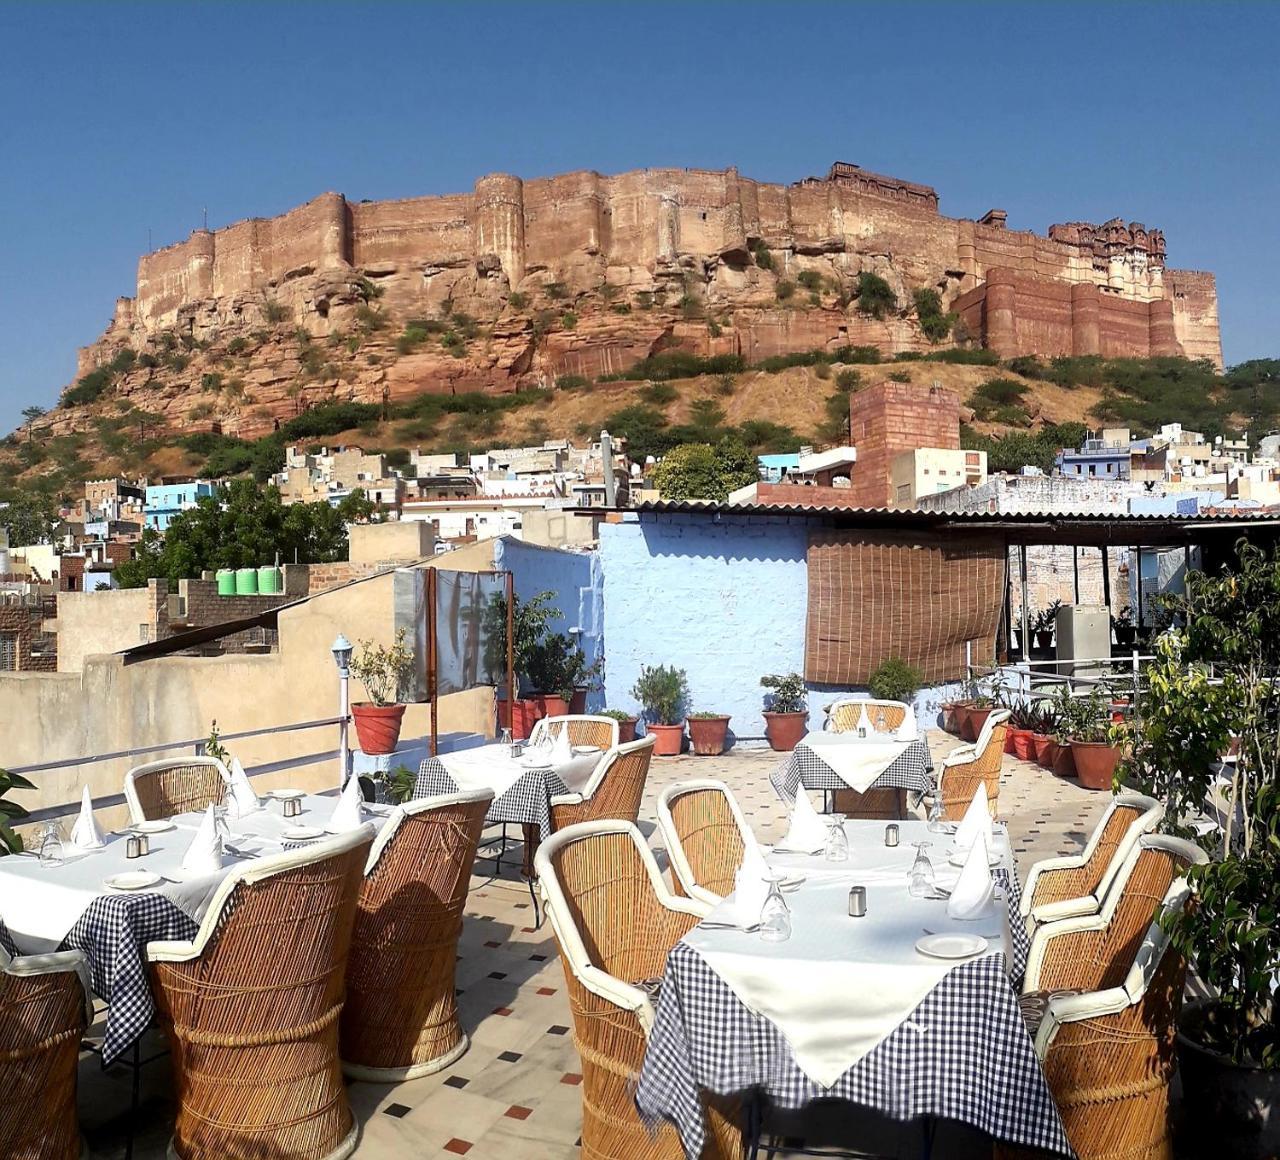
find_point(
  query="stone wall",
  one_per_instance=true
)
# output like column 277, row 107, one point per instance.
column 648, row 228
column 889, row 418
column 26, row 622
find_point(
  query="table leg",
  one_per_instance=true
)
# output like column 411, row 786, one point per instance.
column 532, row 839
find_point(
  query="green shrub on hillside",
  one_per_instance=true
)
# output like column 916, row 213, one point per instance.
column 760, row 252
column 875, row 296
column 934, row 321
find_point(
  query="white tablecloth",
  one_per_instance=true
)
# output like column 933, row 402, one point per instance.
column 492, row 767
column 840, row 985
column 858, row 761
column 40, row 904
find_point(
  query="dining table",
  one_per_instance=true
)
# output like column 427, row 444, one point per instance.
column 902, row 1009
column 831, row 761
column 70, row 905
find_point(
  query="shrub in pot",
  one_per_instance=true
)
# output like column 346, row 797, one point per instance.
column 664, row 692
column 1094, row 749
column 786, row 718
column 895, row 680
column 975, row 717
column 383, row 672
column 1122, row 626
column 707, row 733
column 1229, row 1046
column 1023, row 719
column 531, row 620
column 626, row 724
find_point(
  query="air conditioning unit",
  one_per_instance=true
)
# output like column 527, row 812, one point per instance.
column 1084, row 639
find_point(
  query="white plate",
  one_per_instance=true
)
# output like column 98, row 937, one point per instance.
column 156, row 826
column 951, row 946
column 960, row 857
column 790, row 882
column 132, row 880
column 301, row 833
column 584, row 750
column 286, row 795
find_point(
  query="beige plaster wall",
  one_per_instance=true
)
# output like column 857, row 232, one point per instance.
column 100, row 622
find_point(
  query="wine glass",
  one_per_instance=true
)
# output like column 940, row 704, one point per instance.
column 937, row 807
column 504, row 739
column 837, row 847
column 51, row 840
column 921, row 873
column 882, row 722
column 775, row 915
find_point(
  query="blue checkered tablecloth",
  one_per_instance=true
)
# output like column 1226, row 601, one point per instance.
column 910, row 771
column 527, row 802
column 962, row 1054
column 113, row 933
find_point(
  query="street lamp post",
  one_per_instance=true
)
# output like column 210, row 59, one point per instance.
column 341, row 649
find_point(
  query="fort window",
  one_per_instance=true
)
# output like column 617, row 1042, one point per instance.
column 8, row 652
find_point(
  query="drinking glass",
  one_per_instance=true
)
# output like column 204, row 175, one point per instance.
column 937, row 823
column 921, row 873
column 51, row 840
column 837, row 847
column 882, row 722
column 775, row 916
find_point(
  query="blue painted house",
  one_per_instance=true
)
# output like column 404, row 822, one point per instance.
column 166, row 500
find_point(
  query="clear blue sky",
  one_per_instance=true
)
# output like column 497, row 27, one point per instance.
column 119, row 119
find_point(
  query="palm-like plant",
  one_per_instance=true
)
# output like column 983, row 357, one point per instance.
column 11, row 843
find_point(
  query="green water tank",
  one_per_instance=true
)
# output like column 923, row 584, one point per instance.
column 226, row 581
column 247, row 582
column 269, row 579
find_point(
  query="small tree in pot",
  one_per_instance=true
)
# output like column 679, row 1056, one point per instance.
column 664, row 692
column 626, row 724
column 895, row 680
column 1094, row 748
column 785, row 719
column 382, row 671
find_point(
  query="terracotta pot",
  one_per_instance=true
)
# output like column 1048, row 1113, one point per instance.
column 578, row 702
column 1040, row 743
column 1232, row 1110
column 668, row 739
column 951, row 717
column 1095, row 763
column 1022, row 743
column 784, row 730
column 549, row 705
column 974, row 720
column 377, row 726
column 707, row 735
column 1009, row 746
column 627, row 730
column 1064, row 762
column 520, row 723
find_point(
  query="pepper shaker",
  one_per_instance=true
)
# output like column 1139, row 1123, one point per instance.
column 144, row 845
column 891, row 834
column 133, row 846
column 857, row 901
column 292, row 808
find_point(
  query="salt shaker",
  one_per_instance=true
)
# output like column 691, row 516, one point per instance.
column 133, row 846
column 144, row 845
column 857, row 901
column 891, row 834
column 292, row 808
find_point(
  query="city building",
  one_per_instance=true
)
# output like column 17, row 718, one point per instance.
column 166, row 500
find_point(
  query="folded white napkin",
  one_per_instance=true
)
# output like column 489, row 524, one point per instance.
column 204, row 855
column 561, row 750
column 244, row 800
column 808, row 832
column 976, row 822
column 864, row 727
column 349, row 812
column 750, row 889
column 85, row 834
column 973, row 895
column 908, row 730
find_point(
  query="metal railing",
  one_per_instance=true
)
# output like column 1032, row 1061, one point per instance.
column 1122, row 672
column 195, row 744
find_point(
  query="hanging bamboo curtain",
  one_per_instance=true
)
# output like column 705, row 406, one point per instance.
column 911, row 595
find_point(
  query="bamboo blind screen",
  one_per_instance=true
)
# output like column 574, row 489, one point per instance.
column 908, row 595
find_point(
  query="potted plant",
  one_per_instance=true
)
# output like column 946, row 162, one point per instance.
column 392, row 787
column 10, row 812
column 382, row 671
column 1229, row 1045
column 1122, row 626
column 975, row 715
column 663, row 691
column 707, row 733
column 1093, row 748
column 1023, row 718
column 626, row 724
column 895, row 680
column 788, row 713
column 531, row 619
column 1042, row 626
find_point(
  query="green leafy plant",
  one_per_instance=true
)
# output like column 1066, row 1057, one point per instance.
column 213, row 746
column 875, row 296
column 706, row 715
column 10, row 812
column 531, row 621
column 1046, row 618
column 399, row 783
column 895, row 680
column 936, row 323
column 789, row 693
column 663, row 691
column 617, row 714
column 383, row 670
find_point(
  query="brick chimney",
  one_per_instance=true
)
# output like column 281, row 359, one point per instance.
column 889, row 418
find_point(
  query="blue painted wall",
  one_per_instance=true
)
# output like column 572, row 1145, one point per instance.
column 574, row 577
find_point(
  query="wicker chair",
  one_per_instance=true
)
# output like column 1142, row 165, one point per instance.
column 45, row 1008
column 705, row 836
column 250, row 1007
column 615, row 921
column 1108, row 1055
column 584, row 729
column 400, row 1020
column 614, row 789
column 1092, row 952
column 843, row 716
column 161, row 789
column 968, row 766
column 1063, row 887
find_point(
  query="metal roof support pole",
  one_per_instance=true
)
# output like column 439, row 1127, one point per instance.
column 1026, row 616
column 1106, row 576
column 1137, row 574
column 1075, row 571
